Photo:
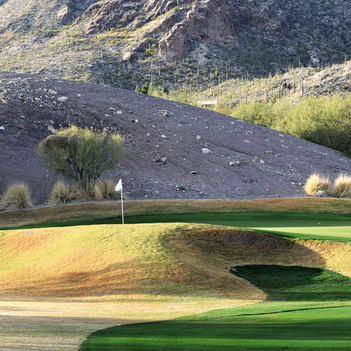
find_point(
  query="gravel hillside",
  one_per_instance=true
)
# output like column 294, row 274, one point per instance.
column 177, row 151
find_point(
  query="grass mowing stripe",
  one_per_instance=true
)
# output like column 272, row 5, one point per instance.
column 299, row 225
column 297, row 330
column 299, row 325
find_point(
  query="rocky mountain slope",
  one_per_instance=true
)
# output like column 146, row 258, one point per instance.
column 198, row 42
column 177, row 151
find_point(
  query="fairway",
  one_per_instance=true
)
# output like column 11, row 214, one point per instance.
column 259, row 327
column 306, row 309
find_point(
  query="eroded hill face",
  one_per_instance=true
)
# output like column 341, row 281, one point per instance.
column 176, row 151
column 202, row 42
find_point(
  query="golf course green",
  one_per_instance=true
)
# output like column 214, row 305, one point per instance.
column 325, row 226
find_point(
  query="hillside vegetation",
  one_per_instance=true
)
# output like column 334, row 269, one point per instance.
column 162, row 259
column 312, row 104
column 202, row 43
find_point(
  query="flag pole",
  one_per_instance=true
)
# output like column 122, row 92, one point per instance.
column 122, row 205
column 119, row 187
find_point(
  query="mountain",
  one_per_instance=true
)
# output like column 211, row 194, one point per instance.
column 197, row 42
column 176, row 150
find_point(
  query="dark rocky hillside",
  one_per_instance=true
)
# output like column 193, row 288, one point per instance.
column 177, row 151
column 198, row 42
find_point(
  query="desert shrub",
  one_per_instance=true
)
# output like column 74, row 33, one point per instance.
column 16, row 196
column 341, row 186
column 107, row 189
column 255, row 112
column 317, row 185
column 61, row 193
column 81, row 155
column 325, row 120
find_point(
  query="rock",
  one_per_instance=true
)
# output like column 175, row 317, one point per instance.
column 198, row 137
column 51, row 129
column 234, row 163
column 2, row 128
column 64, row 14
column 175, row 44
column 205, row 150
column 62, row 98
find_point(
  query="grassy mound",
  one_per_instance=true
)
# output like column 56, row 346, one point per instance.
column 172, row 259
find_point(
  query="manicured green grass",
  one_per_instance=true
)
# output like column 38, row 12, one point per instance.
column 298, row 225
column 302, row 325
column 311, row 328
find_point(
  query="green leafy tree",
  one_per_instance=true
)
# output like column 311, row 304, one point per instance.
column 81, row 155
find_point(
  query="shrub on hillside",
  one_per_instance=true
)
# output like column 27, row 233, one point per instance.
column 82, row 155
column 325, row 120
column 255, row 112
column 341, row 186
column 317, row 185
column 16, row 196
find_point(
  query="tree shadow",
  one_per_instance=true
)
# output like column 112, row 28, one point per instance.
column 294, row 283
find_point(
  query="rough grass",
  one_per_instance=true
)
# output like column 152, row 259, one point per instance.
column 317, row 185
column 17, row 196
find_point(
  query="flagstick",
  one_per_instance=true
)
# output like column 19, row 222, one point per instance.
column 122, row 206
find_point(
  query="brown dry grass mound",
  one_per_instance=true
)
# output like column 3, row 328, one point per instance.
column 158, row 259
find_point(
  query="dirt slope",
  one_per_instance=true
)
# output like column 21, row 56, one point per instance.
column 177, row 151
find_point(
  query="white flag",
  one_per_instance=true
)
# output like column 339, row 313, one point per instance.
column 119, row 186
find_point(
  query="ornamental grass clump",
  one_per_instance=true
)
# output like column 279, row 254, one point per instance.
column 341, row 186
column 61, row 193
column 17, row 196
column 317, row 185
column 107, row 188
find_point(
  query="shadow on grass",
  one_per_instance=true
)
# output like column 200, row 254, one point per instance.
column 242, row 333
column 293, row 283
